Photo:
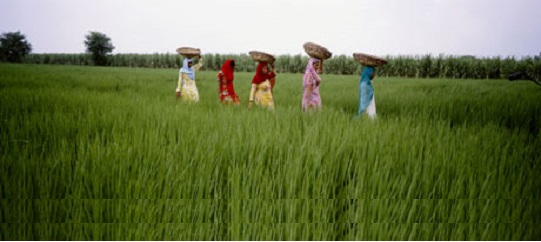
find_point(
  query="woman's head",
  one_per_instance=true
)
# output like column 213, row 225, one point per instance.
column 317, row 65
column 262, row 68
column 312, row 69
column 314, row 65
column 228, row 68
column 187, row 68
column 262, row 73
column 187, row 63
column 368, row 72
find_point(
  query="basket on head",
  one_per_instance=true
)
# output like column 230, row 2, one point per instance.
column 189, row 52
column 316, row 51
column 369, row 60
column 262, row 57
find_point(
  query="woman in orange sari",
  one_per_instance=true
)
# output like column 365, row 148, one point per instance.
column 225, row 84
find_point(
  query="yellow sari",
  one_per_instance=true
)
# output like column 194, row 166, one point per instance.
column 262, row 95
column 186, row 86
column 188, row 89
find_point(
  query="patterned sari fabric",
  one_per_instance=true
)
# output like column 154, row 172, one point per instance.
column 310, row 83
column 262, row 84
column 227, row 91
column 186, row 81
column 263, row 95
column 367, row 102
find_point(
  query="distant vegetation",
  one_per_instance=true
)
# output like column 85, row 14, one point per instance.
column 98, row 45
column 420, row 66
column 14, row 47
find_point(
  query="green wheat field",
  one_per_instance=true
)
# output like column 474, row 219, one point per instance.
column 102, row 153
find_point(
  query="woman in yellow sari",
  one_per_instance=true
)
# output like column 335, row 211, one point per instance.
column 262, row 88
column 186, row 89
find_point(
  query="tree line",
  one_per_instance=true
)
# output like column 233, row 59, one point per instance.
column 15, row 48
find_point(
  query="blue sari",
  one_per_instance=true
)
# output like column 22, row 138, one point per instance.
column 366, row 91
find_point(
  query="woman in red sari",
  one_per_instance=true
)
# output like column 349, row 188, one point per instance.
column 225, row 84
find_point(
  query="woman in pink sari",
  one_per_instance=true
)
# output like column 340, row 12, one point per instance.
column 310, row 83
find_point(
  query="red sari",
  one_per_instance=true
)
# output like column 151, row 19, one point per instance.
column 225, row 84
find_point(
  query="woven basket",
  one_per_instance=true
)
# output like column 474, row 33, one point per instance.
column 316, row 51
column 189, row 52
column 369, row 60
column 262, row 57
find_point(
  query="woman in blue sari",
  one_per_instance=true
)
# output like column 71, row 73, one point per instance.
column 367, row 102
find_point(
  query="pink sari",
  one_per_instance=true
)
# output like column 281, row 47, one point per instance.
column 311, row 99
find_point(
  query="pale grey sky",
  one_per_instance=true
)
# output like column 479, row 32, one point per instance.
column 381, row 27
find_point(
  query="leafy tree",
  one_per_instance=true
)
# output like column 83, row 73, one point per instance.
column 14, row 46
column 99, row 45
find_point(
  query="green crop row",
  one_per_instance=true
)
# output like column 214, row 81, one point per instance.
column 427, row 66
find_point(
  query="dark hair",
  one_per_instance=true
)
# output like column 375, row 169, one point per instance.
column 232, row 63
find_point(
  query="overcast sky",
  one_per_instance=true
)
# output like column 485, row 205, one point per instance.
column 380, row 27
